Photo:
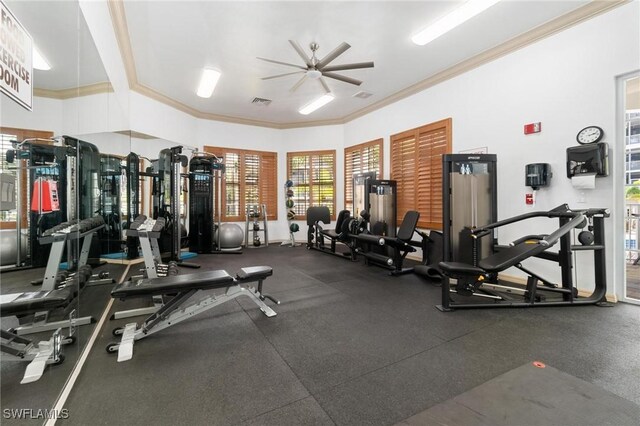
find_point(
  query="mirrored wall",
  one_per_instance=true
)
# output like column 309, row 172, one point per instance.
column 65, row 206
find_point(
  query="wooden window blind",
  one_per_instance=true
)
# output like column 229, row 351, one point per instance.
column 365, row 157
column 416, row 165
column 7, row 134
column 313, row 175
column 250, row 178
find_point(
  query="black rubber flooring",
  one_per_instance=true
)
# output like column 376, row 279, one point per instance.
column 532, row 394
column 42, row 394
column 350, row 345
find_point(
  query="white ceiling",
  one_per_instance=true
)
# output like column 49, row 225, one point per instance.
column 61, row 34
column 173, row 40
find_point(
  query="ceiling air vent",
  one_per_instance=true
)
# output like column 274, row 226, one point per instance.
column 261, row 101
column 362, row 95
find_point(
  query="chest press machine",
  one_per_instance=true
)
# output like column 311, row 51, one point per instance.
column 188, row 299
column 480, row 279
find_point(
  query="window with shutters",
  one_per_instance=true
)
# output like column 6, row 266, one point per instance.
column 8, row 134
column 250, row 178
column 313, row 175
column 416, row 165
column 365, row 157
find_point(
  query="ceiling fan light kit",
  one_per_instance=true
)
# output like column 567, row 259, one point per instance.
column 318, row 103
column 448, row 22
column 208, row 82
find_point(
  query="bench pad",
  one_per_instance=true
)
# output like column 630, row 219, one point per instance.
column 510, row 256
column 172, row 284
column 458, row 269
column 254, row 273
column 35, row 301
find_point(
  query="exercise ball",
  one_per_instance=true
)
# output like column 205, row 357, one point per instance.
column 231, row 236
column 290, row 193
column 9, row 246
column 291, row 215
column 290, row 203
column 289, row 183
column 294, row 227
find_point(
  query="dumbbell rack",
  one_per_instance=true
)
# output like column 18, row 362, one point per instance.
column 148, row 231
column 59, row 240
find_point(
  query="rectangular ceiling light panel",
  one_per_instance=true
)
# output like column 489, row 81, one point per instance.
column 208, row 82
column 318, row 103
column 448, row 22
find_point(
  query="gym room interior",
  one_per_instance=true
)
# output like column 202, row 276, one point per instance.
column 320, row 212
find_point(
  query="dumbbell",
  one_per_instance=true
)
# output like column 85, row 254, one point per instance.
column 172, row 268
column 87, row 271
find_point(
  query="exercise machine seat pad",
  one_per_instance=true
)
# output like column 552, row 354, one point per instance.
column 408, row 226
column 458, row 268
column 254, row 273
column 510, row 256
column 37, row 301
column 172, row 284
column 318, row 214
column 330, row 233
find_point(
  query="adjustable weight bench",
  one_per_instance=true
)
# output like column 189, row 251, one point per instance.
column 187, row 300
column 17, row 348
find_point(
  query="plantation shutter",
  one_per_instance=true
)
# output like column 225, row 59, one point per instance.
column 313, row 176
column 365, row 157
column 416, row 164
column 268, row 183
column 250, row 178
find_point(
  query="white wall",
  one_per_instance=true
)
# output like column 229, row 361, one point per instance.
column 46, row 114
column 566, row 81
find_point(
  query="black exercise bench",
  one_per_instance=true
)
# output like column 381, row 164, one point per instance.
column 183, row 289
column 17, row 348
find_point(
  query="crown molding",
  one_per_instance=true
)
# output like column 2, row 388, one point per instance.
column 119, row 22
column 583, row 13
column 74, row 92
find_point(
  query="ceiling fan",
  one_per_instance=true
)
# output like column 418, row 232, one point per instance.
column 315, row 69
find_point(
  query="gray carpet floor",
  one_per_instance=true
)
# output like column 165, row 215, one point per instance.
column 350, row 345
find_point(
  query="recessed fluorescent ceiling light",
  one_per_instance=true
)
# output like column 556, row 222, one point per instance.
column 39, row 62
column 318, row 103
column 448, row 22
column 208, row 82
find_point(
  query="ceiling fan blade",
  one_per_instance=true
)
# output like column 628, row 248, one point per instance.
column 303, row 55
column 333, row 54
column 298, row 84
column 283, row 63
column 324, row 85
column 281, row 75
column 342, row 78
column 348, row 66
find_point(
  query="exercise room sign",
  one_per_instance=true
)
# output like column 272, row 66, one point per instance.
column 16, row 59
